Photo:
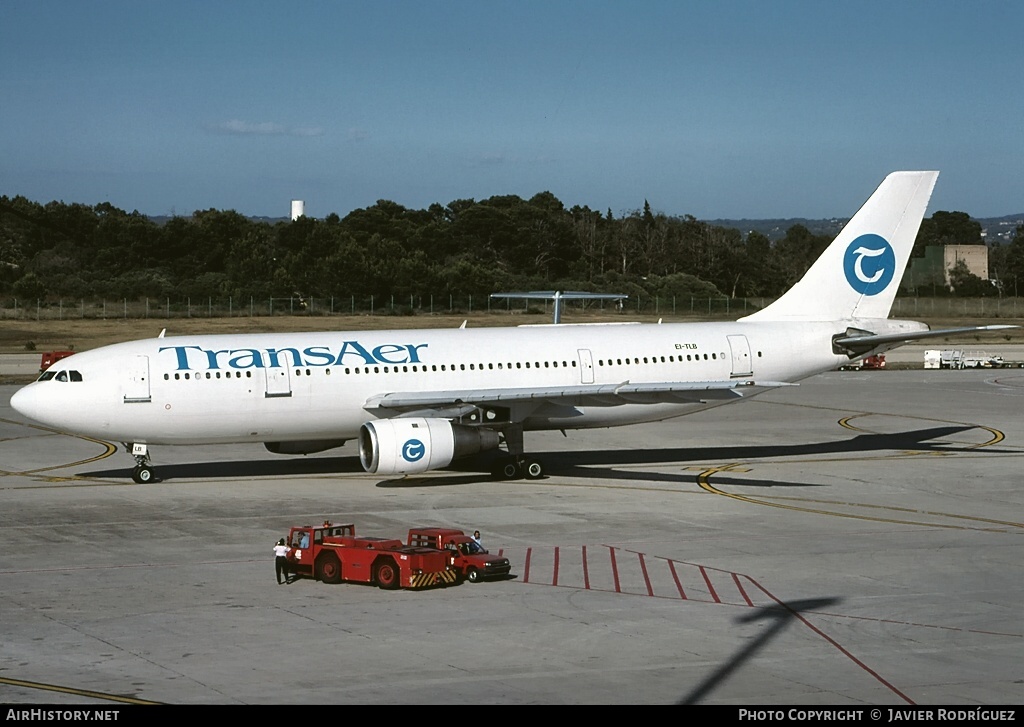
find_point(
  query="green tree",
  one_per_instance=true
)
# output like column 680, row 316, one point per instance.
column 947, row 228
column 1013, row 267
column 966, row 284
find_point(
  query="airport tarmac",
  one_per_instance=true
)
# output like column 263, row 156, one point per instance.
column 854, row 540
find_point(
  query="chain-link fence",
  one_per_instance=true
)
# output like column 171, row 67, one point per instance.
column 690, row 307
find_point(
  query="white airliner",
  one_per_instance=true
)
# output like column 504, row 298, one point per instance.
column 418, row 399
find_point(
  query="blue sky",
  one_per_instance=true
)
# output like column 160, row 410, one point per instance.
column 716, row 109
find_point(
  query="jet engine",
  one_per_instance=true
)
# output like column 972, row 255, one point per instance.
column 407, row 446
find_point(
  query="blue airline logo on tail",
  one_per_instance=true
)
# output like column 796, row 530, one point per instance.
column 869, row 264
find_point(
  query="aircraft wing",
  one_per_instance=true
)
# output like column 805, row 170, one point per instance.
column 859, row 344
column 579, row 395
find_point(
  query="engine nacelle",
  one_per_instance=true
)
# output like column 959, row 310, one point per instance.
column 408, row 446
column 308, row 446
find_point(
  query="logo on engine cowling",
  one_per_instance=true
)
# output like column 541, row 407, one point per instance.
column 413, row 450
column 869, row 264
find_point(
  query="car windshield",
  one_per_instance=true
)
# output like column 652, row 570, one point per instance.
column 474, row 548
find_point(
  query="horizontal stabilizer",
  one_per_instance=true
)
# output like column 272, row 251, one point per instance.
column 861, row 344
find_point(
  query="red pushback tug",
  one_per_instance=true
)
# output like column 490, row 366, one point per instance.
column 332, row 554
column 49, row 358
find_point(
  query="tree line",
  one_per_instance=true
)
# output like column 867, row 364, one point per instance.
column 465, row 248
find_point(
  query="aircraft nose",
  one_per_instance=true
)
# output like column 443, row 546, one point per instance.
column 25, row 401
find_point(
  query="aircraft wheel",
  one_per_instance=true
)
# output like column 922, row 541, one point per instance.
column 506, row 469
column 142, row 474
column 534, row 469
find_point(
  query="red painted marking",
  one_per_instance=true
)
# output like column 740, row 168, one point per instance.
column 739, row 587
column 711, row 588
column 554, row 576
column 615, row 570
column 526, row 566
column 675, row 577
column 647, row 577
column 586, row 570
column 829, row 639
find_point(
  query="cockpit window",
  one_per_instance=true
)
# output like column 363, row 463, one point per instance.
column 61, row 376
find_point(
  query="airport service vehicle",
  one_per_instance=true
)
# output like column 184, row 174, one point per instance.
column 868, row 362
column 471, row 560
column 333, row 553
column 414, row 401
column 960, row 359
column 51, row 357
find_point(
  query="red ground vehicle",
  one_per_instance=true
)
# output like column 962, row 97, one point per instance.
column 332, row 554
column 51, row 357
column 868, row 362
column 470, row 560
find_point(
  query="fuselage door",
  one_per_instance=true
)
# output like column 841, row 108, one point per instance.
column 586, row 366
column 279, row 382
column 741, row 362
column 136, row 385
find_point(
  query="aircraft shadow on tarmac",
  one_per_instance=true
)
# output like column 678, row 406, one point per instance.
column 781, row 616
column 244, row 469
column 579, row 463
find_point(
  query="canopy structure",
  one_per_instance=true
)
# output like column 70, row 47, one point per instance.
column 558, row 296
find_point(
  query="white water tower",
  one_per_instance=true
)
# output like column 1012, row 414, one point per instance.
column 298, row 209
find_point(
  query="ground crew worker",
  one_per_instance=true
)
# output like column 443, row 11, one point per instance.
column 281, row 561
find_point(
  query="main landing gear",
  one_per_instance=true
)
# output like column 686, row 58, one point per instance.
column 514, row 468
column 516, row 465
column 143, row 472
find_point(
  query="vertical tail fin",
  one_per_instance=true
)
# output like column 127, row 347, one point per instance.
column 860, row 271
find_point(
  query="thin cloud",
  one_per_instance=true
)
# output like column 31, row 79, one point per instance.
column 266, row 128
column 491, row 160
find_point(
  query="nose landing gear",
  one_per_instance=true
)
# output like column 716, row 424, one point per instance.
column 143, row 471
